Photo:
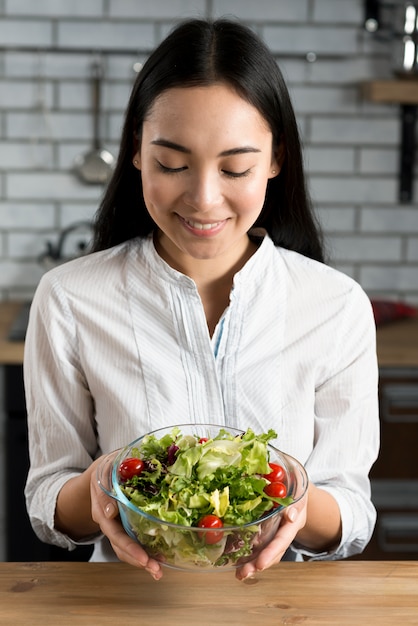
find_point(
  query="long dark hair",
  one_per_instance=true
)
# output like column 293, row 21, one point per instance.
column 201, row 53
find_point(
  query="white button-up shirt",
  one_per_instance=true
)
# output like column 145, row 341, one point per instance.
column 118, row 345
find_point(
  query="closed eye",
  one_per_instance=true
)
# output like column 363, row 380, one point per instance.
column 170, row 170
column 237, row 174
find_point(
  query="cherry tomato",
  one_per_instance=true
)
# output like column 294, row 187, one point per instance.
column 210, row 521
column 130, row 467
column 277, row 474
column 276, row 490
column 203, row 439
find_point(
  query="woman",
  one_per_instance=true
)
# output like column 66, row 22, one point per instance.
column 206, row 300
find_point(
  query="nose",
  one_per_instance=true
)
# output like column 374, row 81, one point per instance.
column 203, row 191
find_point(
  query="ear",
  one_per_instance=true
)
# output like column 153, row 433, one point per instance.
column 136, row 160
column 277, row 160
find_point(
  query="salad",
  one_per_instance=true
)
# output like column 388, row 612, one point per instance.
column 218, row 486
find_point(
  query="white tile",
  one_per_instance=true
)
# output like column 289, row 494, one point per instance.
column 106, row 34
column 329, row 160
column 412, row 249
column 53, row 126
column 16, row 274
column 57, row 8
column 390, row 277
column 353, row 189
column 25, row 94
column 382, row 160
column 390, row 220
column 158, row 9
column 355, row 130
column 14, row 215
column 25, row 32
column 338, row 11
column 352, row 70
column 303, row 39
column 31, row 154
column 324, row 99
column 71, row 213
column 352, row 248
column 263, row 10
column 46, row 65
column 337, row 219
column 50, row 186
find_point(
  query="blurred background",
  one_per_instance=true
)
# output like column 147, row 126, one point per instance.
column 56, row 56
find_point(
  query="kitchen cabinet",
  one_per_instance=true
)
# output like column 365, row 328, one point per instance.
column 21, row 542
column 394, row 475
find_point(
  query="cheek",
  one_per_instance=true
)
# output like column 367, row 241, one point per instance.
column 251, row 197
column 156, row 196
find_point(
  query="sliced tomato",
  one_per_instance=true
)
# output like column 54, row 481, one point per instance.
column 210, row 536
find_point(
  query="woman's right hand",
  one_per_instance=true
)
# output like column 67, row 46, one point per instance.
column 105, row 513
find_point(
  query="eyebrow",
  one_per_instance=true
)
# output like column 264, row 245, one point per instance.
column 179, row 148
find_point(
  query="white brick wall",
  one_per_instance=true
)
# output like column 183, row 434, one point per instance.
column 351, row 146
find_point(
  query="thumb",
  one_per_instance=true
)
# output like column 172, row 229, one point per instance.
column 111, row 510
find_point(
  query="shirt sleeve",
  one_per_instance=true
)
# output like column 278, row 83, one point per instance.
column 61, row 424
column 347, row 427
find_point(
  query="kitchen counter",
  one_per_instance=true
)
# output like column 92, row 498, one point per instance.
column 11, row 352
column 314, row 593
column 397, row 342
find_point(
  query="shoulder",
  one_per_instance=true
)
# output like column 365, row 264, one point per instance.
column 90, row 271
column 317, row 288
column 299, row 267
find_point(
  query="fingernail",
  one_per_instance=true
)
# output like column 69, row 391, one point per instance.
column 110, row 510
column 292, row 515
column 153, row 574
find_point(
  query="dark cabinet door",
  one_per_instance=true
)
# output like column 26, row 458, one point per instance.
column 21, row 542
column 395, row 474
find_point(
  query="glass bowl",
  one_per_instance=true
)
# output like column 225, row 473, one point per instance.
column 192, row 548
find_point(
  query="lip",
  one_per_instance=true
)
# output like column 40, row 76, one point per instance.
column 202, row 229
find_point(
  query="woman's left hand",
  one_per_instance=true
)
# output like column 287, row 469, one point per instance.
column 293, row 520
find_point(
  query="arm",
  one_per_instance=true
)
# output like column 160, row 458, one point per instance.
column 96, row 512
column 65, row 503
column 336, row 518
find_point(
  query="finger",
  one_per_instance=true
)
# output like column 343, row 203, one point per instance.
column 246, row 571
column 128, row 550
column 275, row 550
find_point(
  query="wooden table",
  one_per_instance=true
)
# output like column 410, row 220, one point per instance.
column 337, row 593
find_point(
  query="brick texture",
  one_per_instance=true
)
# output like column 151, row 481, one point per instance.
column 351, row 146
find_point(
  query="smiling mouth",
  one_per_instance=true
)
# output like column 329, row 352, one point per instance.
column 200, row 226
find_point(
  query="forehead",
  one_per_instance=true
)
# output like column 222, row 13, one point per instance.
column 214, row 105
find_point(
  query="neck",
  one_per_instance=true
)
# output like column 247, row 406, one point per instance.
column 207, row 273
column 213, row 277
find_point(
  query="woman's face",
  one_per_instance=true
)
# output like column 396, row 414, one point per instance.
column 206, row 156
